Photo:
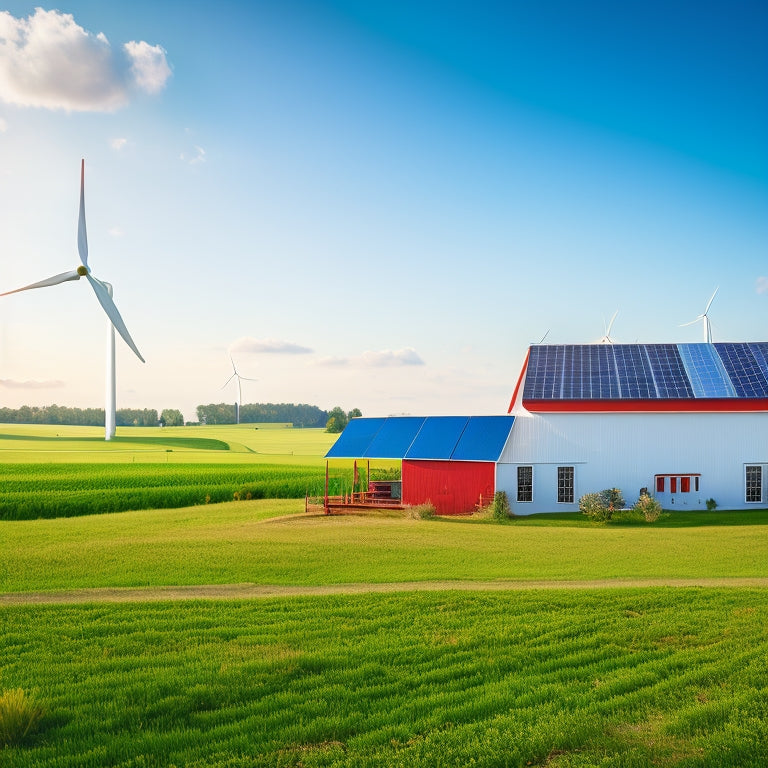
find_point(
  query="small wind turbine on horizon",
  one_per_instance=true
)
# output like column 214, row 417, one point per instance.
column 705, row 317
column 103, row 291
column 236, row 375
column 607, row 336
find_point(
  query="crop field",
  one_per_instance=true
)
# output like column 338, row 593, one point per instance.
column 59, row 471
column 383, row 641
column 623, row 678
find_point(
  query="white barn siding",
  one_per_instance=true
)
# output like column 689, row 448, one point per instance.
column 626, row 451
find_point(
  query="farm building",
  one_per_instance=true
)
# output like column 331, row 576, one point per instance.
column 687, row 422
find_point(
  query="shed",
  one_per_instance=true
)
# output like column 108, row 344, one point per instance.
column 449, row 461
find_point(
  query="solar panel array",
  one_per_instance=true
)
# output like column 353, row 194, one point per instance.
column 647, row 371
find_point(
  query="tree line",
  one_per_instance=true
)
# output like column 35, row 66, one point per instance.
column 300, row 415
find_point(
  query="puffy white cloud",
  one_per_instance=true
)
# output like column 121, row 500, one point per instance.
column 118, row 143
column 761, row 285
column 388, row 358
column 48, row 60
column 249, row 345
column 385, row 358
column 15, row 384
column 197, row 156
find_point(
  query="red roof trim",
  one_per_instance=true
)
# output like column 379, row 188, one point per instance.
column 693, row 405
column 519, row 381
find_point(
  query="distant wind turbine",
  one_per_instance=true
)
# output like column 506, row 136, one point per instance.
column 103, row 291
column 705, row 317
column 239, row 378
column 607, row 337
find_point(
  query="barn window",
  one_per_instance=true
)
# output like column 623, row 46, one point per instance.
column 673, row 485
column 565, row 485
column 696, row 483
column 525, row 483
column 660, row 484
column 685, row 485
column 754, row 480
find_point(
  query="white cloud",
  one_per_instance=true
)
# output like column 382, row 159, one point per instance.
column 14, row 384
column 47, row 60
column 3, row 125
column 116, row 232
column 385, row 358
column 761, row 285
column 249, row 345
column 118, row 143
column 197, row 156
column 149, row 67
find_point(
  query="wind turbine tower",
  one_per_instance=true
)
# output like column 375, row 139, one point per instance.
column 236, row 375
column 103, row 291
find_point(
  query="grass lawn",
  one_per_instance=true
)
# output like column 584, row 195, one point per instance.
column 619, row 678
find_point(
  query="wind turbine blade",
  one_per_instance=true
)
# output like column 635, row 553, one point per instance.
column 610, row 325
column 245, row 378
column 709, row 303
column 691, row 322
column 82, row 235
column 228, row 380
column 102, row 294
column 55, row 280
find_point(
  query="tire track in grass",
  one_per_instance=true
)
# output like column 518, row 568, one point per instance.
column 261, row 591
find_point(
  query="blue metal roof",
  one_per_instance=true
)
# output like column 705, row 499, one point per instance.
column 394, row 438
column 456, row 438
column 647, row 371
column 483, row 438
column 437, row 438
column 355, row 439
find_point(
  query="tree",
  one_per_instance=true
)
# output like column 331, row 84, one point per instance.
column 172, row 417
column 337, row 420
column 355, row 413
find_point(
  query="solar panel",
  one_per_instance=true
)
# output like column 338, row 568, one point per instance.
column 543, row 378
column 743, row 369
column 706, row 371
column 635, row 376
column 669, row 375
column 760, row 351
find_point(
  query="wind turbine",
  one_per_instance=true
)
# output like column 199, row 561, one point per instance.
column 236, row 375
column 705, row 317
column 607, row 337
column 103, row 291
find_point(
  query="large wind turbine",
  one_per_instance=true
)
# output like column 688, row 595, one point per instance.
column 103, row 293
column 239, row 378
column 705, row 317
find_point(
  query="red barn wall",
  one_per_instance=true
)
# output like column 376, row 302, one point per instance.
column 453, row 487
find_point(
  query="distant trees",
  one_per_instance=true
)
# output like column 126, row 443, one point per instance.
column 170, row 417
column 338, row 420
column 300, row 415
column 136, row 417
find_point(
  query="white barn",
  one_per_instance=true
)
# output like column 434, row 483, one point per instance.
column 687, row 422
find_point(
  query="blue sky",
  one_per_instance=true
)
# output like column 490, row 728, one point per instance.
column 374, row 204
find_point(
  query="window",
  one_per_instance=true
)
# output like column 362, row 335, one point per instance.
column 565, row 485
column 696, row 483
column 525, row 483
column 659, row 484
column 673, row 485
column 685, row 485
column 754, row 483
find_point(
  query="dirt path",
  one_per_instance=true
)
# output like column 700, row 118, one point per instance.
column 257, row 591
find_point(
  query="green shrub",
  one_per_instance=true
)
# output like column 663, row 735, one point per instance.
column 594, row 507
column 500, row 508
column 424, row 511
column 711, row 505
column 648, row 507
column 19, row 716
column 613, row 498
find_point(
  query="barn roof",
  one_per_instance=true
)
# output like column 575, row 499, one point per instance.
column 723, row 376
column 454, row 438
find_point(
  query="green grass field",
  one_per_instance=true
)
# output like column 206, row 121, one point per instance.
column 612, row 676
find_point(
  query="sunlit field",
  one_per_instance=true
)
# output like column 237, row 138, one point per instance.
column 242, row 443
column 532, row 647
